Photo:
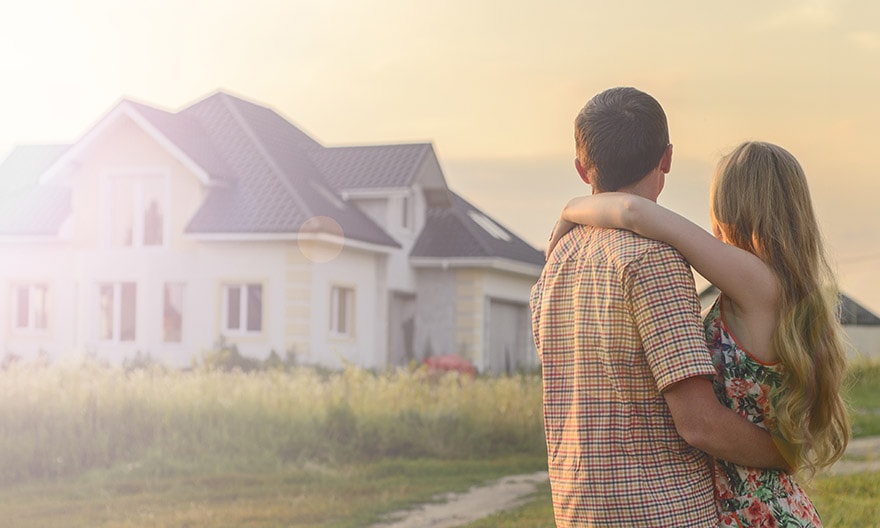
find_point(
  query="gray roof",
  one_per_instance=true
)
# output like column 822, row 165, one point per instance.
column 26, row 163
column 853, row 313
column 38, row 210
column 371, row 167
column 454, row 232
column 274, row 186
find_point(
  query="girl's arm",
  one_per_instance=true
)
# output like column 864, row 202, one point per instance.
column 741, row 275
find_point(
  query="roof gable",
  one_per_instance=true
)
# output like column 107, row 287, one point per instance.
column 177, row 135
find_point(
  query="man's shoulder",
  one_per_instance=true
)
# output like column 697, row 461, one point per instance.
column 625, row 248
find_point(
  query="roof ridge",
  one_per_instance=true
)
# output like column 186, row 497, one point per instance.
column 261, row 148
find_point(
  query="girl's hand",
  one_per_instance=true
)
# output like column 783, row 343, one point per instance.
column 562, row 227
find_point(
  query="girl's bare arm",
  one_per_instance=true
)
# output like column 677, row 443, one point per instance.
column 741, row 275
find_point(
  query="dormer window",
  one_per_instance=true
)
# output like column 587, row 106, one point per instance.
column 489, row 226
column 137, row 210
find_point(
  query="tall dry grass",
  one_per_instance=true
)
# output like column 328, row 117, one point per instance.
column 61, row 420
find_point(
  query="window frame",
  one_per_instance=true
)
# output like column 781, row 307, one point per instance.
column 31, row 327
column 350, row 311
column 118, row 315
column 139, row 176
column 243, row 289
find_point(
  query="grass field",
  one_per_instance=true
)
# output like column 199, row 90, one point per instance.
column 95, row 446
column 851, row 501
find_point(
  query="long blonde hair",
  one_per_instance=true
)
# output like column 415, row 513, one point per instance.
column 760, row 202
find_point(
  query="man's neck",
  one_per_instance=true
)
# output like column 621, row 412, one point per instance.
column 648, row 187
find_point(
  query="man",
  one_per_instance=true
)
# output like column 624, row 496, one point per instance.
column 629, row 406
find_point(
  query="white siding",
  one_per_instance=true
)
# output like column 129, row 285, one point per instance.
column 365, row 273
column 865, row 341
column 435, row 313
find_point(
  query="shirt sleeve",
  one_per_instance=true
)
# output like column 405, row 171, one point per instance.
column 535, row 309
column 666, row 311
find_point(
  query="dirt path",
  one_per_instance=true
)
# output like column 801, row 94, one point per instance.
column 862, row 454
column 457, row 509
column 462, row 508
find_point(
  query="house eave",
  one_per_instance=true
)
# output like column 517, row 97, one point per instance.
column 291, row 237
column 383, row 192
column 33, row 239
column 494, row 263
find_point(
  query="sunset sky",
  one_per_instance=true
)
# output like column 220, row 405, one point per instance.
column 493, row 85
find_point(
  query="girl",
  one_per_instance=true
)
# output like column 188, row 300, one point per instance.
column 773, row 331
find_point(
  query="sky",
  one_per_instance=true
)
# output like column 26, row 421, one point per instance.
column 493, row 85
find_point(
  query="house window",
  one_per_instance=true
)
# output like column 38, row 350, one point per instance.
column 243, row 308
column 341, row 311
column 137, row 211
column 117, row 311
column 172, row 312
column 30, row 307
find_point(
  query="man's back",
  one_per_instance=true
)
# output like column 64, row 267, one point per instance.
column 616, row 321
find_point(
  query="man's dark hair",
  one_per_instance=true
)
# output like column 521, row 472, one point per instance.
column 620, row 136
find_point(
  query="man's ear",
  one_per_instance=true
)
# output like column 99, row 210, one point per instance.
column 666, row 159
column 582, row 172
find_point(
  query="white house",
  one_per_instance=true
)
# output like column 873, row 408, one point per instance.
column 159, row 232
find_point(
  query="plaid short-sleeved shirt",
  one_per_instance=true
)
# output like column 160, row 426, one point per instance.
column 616, row 321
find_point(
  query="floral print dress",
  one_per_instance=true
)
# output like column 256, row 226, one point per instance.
column 750, row 496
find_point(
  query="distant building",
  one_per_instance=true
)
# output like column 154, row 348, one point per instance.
column 859, row 312
column 159, row 232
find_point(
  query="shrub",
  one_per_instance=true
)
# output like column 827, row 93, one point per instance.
column 66, row 419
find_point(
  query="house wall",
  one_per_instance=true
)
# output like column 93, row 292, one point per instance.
column 469, row 314
column 507, row 290
column 455, row 313
column 26, row 264
column 366, row 274
column 387, row 212
column 298, row 303
column 865, row 341
column 401, row 275
column 435, row 320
